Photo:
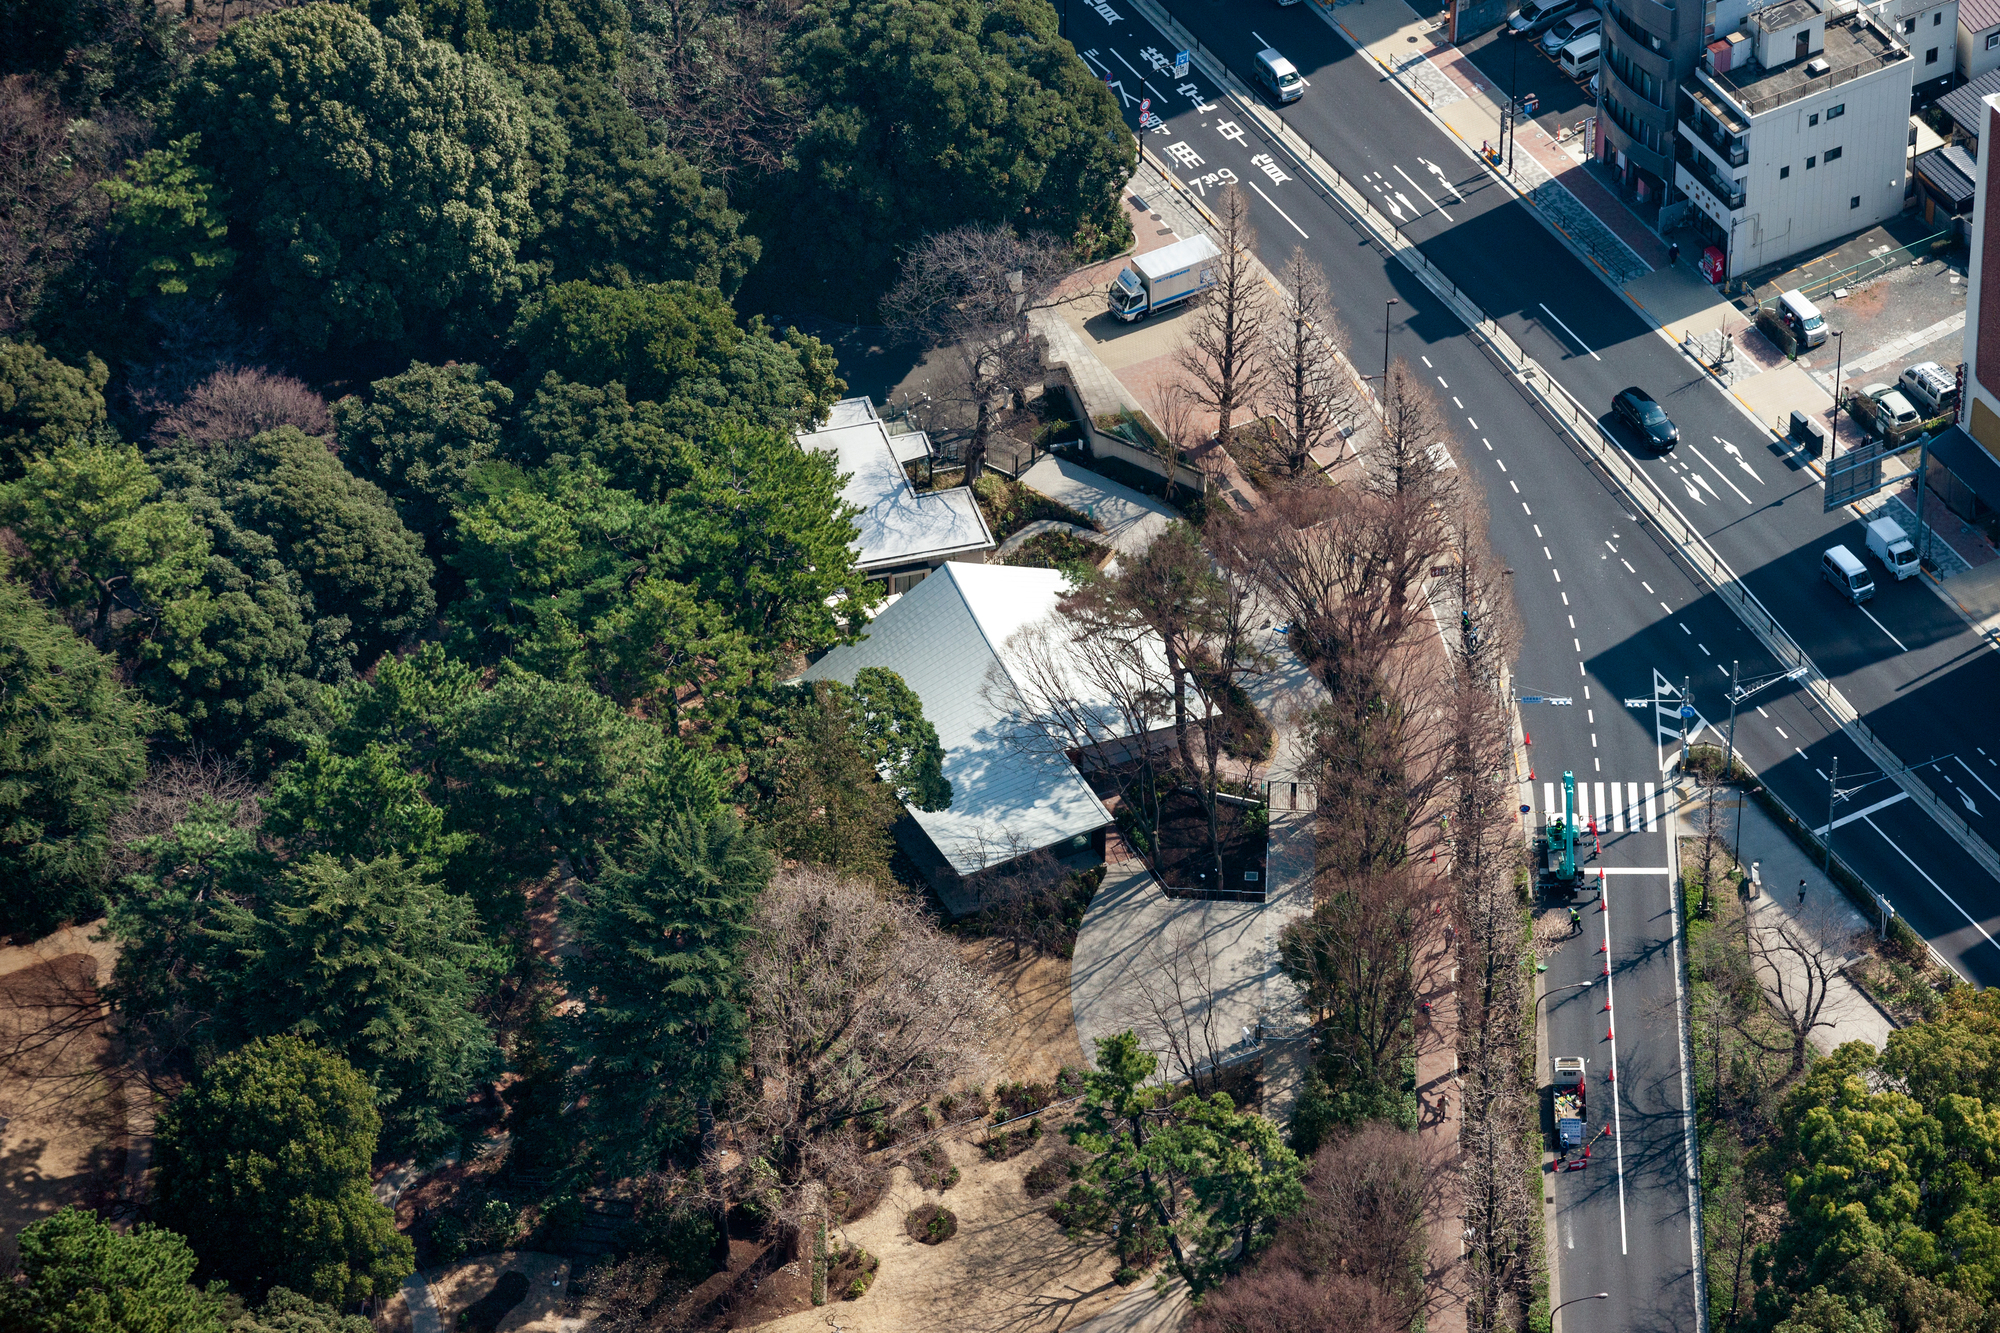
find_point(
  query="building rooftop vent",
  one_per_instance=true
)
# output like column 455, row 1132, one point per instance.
column 1817, row 67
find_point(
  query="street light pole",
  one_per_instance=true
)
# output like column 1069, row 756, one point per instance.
column 1832, row 796
column 1574, row 985
column 1387, row 312
column 1596, row 1296
column 1833, row 418
column 1729, row 751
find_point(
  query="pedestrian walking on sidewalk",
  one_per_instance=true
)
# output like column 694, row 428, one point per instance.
column 1674, row 253
column 1802, row 893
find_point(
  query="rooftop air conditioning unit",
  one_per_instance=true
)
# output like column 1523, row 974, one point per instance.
column 1815, row 68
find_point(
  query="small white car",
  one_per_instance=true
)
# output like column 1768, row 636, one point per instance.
column 1892, row 409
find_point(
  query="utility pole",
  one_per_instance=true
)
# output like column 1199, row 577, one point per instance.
column 1832, row 796
column 1729, row 752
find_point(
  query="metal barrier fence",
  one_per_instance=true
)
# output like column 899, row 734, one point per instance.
column 1581, row 426
column 1872, row 267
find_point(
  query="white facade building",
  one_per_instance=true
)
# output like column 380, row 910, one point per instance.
column 1929, row 28
column 1795, row 132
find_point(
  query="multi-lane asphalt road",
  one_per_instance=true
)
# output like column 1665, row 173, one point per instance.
column 1897, row 660
column 1616, row 624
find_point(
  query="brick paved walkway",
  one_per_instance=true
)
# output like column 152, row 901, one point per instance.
column 1441, row 1108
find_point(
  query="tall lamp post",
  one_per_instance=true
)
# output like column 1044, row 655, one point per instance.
column 1833, row 421
column 1556, row 990
column 1387, row 313
column 1597, row 1296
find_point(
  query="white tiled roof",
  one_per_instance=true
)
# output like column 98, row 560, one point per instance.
column 943, row 637
column 899, row 525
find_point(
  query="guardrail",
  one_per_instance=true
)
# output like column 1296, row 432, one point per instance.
column 1556, row 403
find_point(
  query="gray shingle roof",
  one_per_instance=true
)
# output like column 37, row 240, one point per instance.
column 943, row 637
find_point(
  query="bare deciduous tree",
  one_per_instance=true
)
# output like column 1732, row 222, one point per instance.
column 1797, row 955
column 1173, row 593
column 1311, row 390
column 1171, row 1007
column 1354, row 959
column 704, row 74
column 239, row 402
column 1223, row 356
column 48, row 194
column 164, row 798
column 859, row 1003
column 967, row 292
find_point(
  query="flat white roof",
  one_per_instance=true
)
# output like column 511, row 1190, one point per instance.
column 944, row 637
column 899, row 524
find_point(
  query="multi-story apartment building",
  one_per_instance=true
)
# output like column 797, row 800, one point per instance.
column 1793, row 131
column 1649, row 50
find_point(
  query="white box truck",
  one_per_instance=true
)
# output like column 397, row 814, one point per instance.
column 1892, row 547
column 1164, row 277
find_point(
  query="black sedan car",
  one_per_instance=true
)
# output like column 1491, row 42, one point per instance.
column 1647, row 417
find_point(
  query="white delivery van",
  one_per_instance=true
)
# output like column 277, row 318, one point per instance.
column 1279, row 76
column 1844, row 570
column 1802, row 317
column 1579, row 58
column 1892, row 547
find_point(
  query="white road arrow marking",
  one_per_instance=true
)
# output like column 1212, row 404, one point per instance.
column 1693, row 494
column 1741, row 461
column 1444, row 181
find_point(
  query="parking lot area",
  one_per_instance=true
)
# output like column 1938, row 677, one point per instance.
column 1516, row 63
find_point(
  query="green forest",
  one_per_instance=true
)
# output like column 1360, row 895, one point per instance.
column 402, row 545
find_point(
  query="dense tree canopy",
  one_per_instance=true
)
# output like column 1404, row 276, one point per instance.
column 378, row 182
column 70, row 755
column 419, row 436
column 368, row 958
column 663, row 930
column 934, row 113
column 44, row 403
column 81, row 1276
column 1891, row 1170
column 263, row 1164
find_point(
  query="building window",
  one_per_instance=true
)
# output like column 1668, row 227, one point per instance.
column 1930, row 56
column 1811, row 162
column 1784, row 172
column 1813, row 119
column 1909, row 25
column 905, row 582
column 1836, row 111
column 1833, row 154
column 1855, row 202
column 1937, row 18
column 1992, row 40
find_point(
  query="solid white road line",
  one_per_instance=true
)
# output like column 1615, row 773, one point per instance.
column 1281, row 212
column 1617, row 1119
column 1717, row 471
column 1845, row 820
column 1420, row 190
column 1884, row 628
column 1572, row 334
column 1976, row 778
column 1934, row 884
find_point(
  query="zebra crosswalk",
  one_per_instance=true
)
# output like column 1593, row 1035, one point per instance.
column 1613, row 806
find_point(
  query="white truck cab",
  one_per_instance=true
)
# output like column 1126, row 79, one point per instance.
column 1892, row 547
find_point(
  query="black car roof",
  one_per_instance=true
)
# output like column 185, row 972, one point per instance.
column 1640, row 394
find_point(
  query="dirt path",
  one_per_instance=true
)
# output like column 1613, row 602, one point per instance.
column 1441, row 1108
column 65, row 1114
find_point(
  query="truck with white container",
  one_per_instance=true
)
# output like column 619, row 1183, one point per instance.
column 1163, row 278
column 1892, row 547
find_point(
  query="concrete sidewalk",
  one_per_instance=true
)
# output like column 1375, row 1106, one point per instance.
column 1130, row 520
column 1825, row 909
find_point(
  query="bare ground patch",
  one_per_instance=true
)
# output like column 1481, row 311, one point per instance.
column 1008, row 1268
column 1038, row 1036
column 64, row 1113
